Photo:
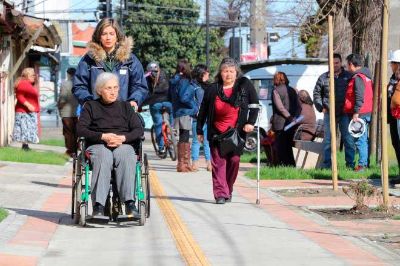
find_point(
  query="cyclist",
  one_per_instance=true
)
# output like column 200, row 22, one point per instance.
column 158, row 84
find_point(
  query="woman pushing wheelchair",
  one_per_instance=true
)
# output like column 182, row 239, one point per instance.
column 110, row 127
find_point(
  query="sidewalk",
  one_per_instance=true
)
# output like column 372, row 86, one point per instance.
column 280, row 231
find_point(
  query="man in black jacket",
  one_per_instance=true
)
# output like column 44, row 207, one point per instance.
column 321, row 102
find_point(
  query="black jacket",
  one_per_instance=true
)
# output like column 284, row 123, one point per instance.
column 159, row 92
column 321, row 91
column 246, row 115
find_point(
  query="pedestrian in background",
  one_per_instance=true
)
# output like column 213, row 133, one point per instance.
column 285, row 108
column 158, row 100
column 308, row 124
column 321, row 102
column 225, row 106
column 394, row 109
column 110, row 51
column 200, row 76
column 358, row 104
column 26, row 109
column 67, row 106
column 182, row 93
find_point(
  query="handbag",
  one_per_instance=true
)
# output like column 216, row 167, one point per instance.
column 229, row 141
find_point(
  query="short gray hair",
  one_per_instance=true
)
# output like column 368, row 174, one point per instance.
column 228, row 62
column 102, row 79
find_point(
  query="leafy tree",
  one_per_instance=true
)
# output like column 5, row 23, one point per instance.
column 165, row 30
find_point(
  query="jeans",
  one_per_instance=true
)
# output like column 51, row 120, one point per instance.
column 361, row 143
column 196, row 144
column 348, row 141
column 156, row 114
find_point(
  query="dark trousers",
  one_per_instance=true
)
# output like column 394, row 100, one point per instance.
column 224, row 173
column 394, row 134
column 283, row 147
column 69, row 132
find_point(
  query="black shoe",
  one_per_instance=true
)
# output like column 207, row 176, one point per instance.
column 220, row 201
column 25, row 147
column 229, row 199
column 98, row 210
column 162, row 151
column 130, row 208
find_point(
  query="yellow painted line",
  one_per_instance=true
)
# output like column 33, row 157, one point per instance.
column 187, row 246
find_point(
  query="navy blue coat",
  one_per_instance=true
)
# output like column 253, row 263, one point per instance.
column 132, row 83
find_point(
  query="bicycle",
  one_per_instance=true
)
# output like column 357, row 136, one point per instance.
column 168, row 135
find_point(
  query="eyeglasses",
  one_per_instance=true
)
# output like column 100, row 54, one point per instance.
column 111, row 89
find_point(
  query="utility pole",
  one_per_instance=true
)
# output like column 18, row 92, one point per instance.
column 208, row 33
column 258, row 35
column 121, row 19
column 332, row 118
column 384, row 136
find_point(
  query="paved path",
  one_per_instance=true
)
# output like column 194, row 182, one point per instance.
column 185, row 227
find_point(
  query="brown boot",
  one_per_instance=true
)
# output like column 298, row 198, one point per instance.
column 181, row 154
column 186, row 159
column 195, row 166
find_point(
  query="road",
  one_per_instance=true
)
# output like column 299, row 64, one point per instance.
column 185, row 227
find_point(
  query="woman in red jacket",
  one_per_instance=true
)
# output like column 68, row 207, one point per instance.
column 26, row 109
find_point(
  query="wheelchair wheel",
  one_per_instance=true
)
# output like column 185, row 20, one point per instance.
column 142, row 213
column 77, row 190
column 171, row 146
column 146, row 184
column 73, row 197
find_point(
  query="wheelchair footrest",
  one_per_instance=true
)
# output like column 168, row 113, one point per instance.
column 98, row 219
column 126, row 218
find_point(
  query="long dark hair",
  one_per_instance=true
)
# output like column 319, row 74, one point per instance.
column 198, row 72
column 184, row 68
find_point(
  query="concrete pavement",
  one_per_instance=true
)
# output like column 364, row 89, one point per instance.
column 39, row 230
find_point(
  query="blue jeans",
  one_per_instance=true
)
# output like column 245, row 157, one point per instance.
column 156, row 114
column 348, row 141
column 361, row 143
column 196, row 144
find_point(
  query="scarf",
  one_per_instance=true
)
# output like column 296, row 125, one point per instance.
column 235, row 99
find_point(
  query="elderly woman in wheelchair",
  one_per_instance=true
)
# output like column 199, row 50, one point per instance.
column 110, row 127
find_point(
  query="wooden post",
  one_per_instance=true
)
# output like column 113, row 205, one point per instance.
column 375, row 118
column 384, row 52
column 332, row 117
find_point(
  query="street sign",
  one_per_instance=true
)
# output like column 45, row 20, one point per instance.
column 274, row 37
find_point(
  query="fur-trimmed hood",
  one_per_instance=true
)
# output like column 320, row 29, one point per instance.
column 123, row 53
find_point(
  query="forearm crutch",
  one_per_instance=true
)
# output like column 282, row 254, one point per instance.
column 259, row 107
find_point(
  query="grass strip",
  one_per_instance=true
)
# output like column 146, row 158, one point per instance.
column 53, row 142
column 282, row 172
column 12, row 154
column 3, row 214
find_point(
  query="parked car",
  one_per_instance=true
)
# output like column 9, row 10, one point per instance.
column 301, row 77
column 49, row 116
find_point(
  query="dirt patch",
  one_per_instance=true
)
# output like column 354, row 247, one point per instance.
column 310, row 192
column 351, row 214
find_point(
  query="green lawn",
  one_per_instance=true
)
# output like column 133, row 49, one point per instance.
column 53, row 142
column 40, row 157
column 3, row 214
column 295, row 173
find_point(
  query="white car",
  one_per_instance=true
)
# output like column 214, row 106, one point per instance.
column 301, row 77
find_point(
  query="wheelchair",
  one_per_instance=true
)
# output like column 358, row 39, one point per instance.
column 113, row 208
